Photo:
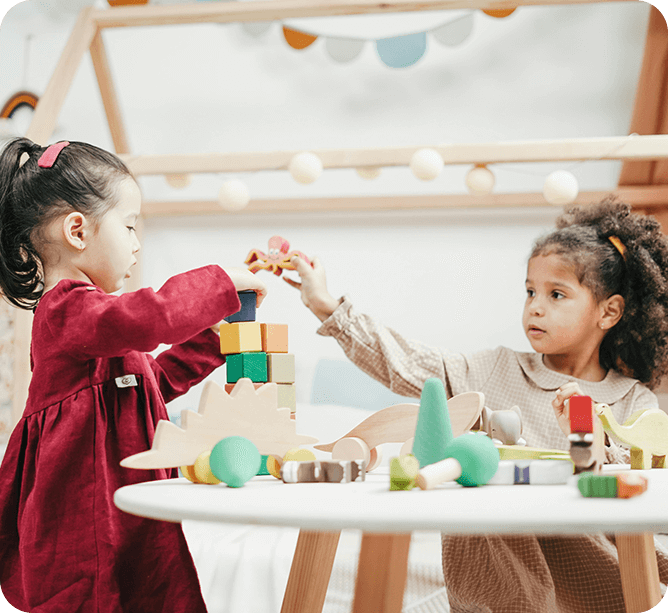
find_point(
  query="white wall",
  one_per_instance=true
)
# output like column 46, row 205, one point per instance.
column 450, row 278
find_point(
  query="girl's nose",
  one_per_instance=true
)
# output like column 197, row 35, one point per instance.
column 536, row 307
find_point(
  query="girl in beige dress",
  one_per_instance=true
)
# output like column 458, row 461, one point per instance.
column 596, row 314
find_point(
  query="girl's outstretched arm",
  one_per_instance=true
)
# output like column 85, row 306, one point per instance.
column 313, row 287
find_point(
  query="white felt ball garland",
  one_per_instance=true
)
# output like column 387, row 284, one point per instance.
column 305, row 167
column 480, row 180
column 560, row 188
column 233, row 195
column 426, row 164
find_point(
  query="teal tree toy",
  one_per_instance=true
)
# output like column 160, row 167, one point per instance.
column 433, row 431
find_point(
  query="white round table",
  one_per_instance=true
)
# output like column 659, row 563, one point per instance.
column 322, row 510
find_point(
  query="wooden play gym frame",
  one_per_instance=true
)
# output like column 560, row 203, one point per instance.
column 643, row 180
column 646, row 156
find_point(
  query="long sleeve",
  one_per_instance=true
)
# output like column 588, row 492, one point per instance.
column 88, row 323
column 404, row 365
column 180, row 367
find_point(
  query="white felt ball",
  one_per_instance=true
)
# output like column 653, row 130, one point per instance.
column 560, row 188
column 233, row 195
column 426, row 164
column 178, row 181
column 305, row 167
column 368, row 172
column 480, row 180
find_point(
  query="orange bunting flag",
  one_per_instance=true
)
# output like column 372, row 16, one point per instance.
column 298, row 40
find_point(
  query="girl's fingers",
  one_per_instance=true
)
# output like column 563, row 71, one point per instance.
column 293, row 283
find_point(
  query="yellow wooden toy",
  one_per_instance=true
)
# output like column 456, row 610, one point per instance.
column 646, row 432
column 202, row 469
column 294, row 455
column 240, row 337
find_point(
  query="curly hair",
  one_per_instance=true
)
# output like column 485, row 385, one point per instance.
column 83, row 179
column 638, row 345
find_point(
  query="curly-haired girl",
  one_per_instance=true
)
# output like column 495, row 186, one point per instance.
column 596, row 314
column 67, row 241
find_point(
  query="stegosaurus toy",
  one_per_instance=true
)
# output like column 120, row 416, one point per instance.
column 245, row 411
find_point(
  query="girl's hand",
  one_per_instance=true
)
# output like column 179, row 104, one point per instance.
column 313, row 287
column 244, row 279
column 560, row 404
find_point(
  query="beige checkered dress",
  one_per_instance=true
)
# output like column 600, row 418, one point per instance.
column 506, row 574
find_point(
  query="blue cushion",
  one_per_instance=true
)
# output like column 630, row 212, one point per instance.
column 341, row 383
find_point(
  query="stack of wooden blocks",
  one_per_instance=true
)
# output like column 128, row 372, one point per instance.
column 259, row 352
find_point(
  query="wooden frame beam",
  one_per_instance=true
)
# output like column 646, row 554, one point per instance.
column 646, row 197
column 612, row 148
column 272, row 10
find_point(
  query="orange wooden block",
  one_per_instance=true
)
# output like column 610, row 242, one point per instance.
column 274, row 338
column 298, row 40
column 230, row 386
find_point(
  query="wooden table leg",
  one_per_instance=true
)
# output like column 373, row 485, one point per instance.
column 639, row 570
column 381, row 573
column 310, row 572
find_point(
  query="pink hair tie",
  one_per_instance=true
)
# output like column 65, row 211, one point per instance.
column 49, row 157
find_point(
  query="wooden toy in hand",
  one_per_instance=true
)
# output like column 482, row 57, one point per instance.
column 276, row 260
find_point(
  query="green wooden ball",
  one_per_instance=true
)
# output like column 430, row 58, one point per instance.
column 234, row 460
column 478, row 456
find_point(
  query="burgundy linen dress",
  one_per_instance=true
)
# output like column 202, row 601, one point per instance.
column 95, row 398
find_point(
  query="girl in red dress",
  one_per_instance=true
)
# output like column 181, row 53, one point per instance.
column 67, row 241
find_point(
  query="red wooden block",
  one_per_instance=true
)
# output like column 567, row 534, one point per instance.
column 581, row 414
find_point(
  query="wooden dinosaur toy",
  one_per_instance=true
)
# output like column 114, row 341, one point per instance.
column 396, row 424
column 245, row 411
column 646, row 432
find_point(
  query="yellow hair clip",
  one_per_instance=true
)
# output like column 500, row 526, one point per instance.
column 618, row 245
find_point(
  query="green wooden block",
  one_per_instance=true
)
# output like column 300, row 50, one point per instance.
column 433, row 431
column 263, row 466
column 403, row 472
column 598, row 486
column 252, row 366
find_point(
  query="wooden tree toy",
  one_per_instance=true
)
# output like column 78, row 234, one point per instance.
column 471, row 460
column 245, row 411
column 276, row 260
column 587, row 438
column 646, row 432
column 396, row 424
column 433, row 431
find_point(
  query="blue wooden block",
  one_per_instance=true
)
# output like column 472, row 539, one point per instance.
column 247, row 312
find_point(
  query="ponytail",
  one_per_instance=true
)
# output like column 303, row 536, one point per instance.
column 19, row 262
column 81, row 179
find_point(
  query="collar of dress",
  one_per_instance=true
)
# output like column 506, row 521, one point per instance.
column 612, row 389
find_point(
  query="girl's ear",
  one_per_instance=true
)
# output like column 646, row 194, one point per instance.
column 75, row 230
column 612, row 310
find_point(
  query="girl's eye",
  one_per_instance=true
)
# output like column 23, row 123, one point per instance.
column 530, row 293
column 557, row 295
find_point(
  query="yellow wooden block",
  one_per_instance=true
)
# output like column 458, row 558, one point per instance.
column 274, row 466
column 274, row 338
column 240, row 337
column 189, row 473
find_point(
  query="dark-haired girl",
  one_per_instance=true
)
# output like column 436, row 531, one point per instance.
column 67, row 241
column 596, row 314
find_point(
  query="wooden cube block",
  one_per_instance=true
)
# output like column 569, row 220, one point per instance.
column 581, row 414
column 248, row 301
column 281, row 367
column 274, row 338
column 287, row 397
column 253, row 366
column 240, row 338
column 230, row 386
